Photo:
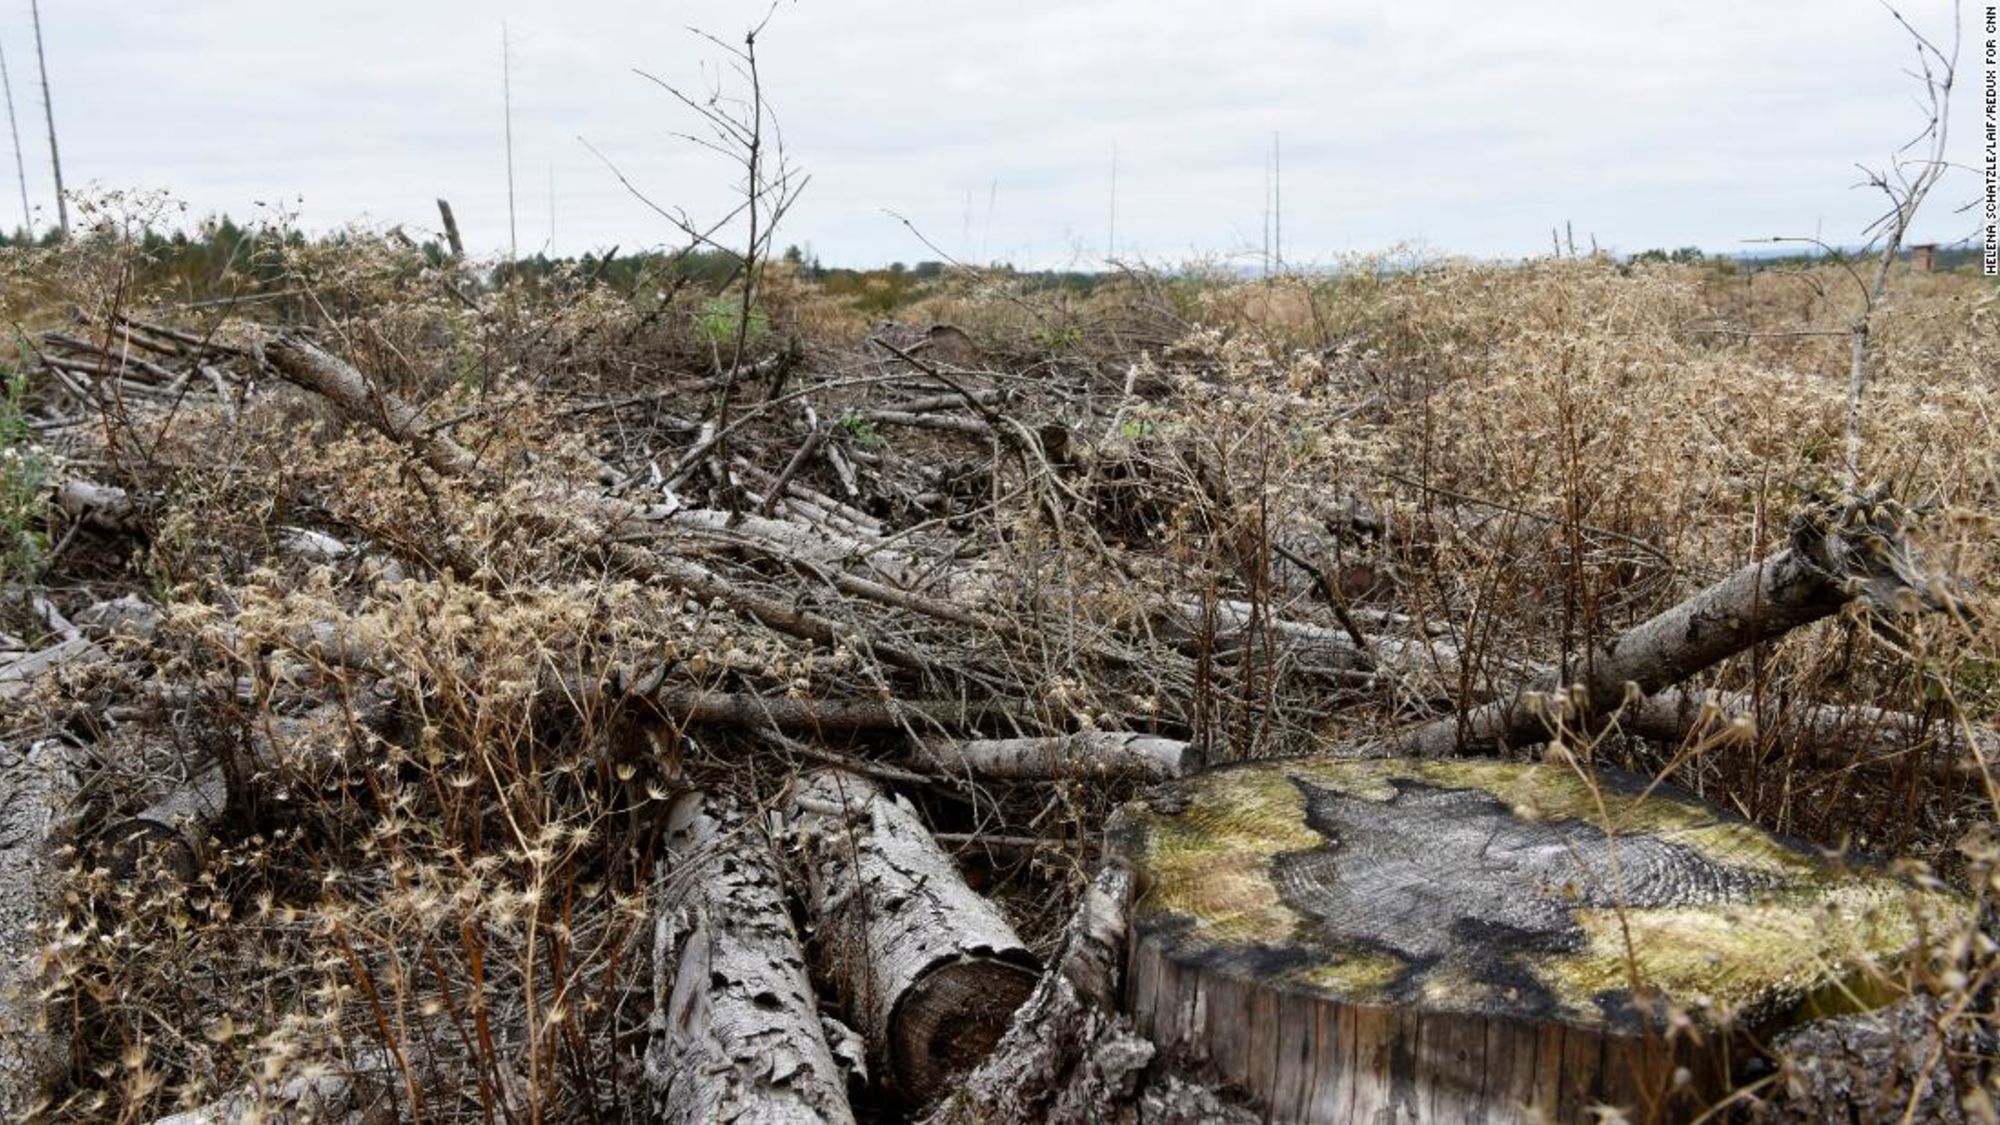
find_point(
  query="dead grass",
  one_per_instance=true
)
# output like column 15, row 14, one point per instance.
column 1520, row 460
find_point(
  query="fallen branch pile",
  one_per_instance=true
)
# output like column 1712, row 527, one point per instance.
column 854, row 654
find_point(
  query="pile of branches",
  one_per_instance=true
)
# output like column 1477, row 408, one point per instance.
column 791, row 666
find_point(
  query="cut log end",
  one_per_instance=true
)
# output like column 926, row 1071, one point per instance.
column 1468, row 938
column 952, row 1016
column 928, row 971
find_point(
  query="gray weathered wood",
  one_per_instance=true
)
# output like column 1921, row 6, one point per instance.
column 1840, row 551
column 928, row 970
column 327, row 1099
column 18, row 676
column 37, row 789
column 173, row 831
column 1120, row 754
column 736, row 1033
column 96, row 506
column 1827, row 734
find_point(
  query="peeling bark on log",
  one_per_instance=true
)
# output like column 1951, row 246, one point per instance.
column 1840, row 551
column 1892, row 1065
column 37, row 788
column 736, row 1034
column 929, row 971
column 1118, row 754
column 1452, row 941
column 1068, row 1024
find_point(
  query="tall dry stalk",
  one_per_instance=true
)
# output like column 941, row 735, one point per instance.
column 742, row 129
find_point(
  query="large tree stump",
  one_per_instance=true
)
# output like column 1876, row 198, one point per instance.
column 929, row 971
column 1411, row 941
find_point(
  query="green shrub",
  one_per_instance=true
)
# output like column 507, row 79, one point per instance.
column 717, row 320
column 25, row 470
column 863, row 431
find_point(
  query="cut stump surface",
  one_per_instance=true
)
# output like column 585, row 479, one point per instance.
column 1418, row 941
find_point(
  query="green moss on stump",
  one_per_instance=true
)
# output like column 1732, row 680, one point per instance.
column 1511, row 890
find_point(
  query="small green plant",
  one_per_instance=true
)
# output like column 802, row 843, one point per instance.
column 862, row 431
column 1062, row 338
column 24, row 478
column 717, row 320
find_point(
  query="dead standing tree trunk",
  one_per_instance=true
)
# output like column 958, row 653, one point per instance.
column 451, row 234
column 736, row 1034
column 929, row 971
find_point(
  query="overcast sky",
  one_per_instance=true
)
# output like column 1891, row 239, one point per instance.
column 1471, row 127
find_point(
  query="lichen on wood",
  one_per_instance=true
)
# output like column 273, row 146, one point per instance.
column 1320, row 902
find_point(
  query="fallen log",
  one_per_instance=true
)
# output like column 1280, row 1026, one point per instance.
column 1426, row 659
column 1830, row 735
column 340, row 1098
column 735, row 1031
column 120, row 363
column 37, row 788
column 173, row 831
column 950, row 423
column 824, row 508
column 689, row 705
column 1841, row 550
column 995, row 396
column 18, row 676
column 307, row 366
column 929, row 972
column 1885, row 1065
column 127, row 617
column 96, row 506
column 1458, row 941
column 1094, row 754
column 171, row 835
column 796, row 541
